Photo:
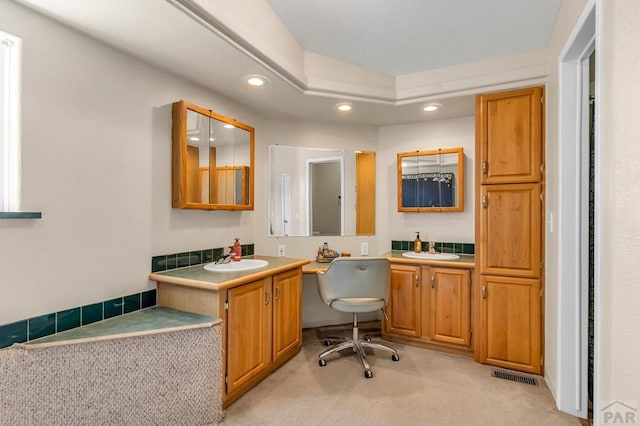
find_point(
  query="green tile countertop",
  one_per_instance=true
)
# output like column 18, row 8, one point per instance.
column 147, row 321
column 197, row 276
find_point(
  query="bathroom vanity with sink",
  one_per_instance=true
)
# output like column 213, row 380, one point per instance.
column 430, row 303
column 260, row 308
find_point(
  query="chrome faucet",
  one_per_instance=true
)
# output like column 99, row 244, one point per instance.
column 226, row 257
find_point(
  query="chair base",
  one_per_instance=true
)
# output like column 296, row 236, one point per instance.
column 358, row 346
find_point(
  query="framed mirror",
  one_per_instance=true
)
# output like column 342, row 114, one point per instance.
column 431, row 181
column 321, row 192
column 213, row 160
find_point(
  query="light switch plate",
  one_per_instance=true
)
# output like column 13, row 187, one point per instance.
column 281, row 250
column 364, row 249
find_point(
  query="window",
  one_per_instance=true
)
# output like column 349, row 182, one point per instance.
column 9, row 116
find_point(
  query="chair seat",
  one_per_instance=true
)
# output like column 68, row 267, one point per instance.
column 357, row 304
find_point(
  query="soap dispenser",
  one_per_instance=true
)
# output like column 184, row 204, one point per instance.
column 236, row 251
column 417, row 243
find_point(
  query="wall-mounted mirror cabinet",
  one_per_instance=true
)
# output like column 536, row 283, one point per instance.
column 212, row 165
column 321, row 192
column 431, row 181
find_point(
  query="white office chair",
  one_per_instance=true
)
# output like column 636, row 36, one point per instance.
column 356, row 284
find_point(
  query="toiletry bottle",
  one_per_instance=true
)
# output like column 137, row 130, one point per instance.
column 236, row 251
column 325, row 248
column 432, row 247
column 417, row 243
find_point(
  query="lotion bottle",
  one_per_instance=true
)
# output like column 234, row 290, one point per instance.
column 236, row 251
column 417, row 243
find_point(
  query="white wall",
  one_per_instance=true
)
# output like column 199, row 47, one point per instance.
column 453, row 227
column 96, row 160
column 619, row 274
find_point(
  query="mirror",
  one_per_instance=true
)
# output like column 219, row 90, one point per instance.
column 321, row 192
column 431, row 181
column 212, row 166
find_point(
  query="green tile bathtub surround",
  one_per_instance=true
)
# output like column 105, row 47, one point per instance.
column 148, row 298
column 159, row 263
column 91, row 313
column 132, row 303
column 396, row 245
column 13, row 333
column 41, row 326
column 113, row 308
column 66, row 320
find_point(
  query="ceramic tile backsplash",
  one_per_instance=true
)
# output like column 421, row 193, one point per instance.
column 57, row 322
column 443, row 247
column 166, row 262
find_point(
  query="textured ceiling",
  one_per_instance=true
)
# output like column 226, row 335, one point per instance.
column 407, row 36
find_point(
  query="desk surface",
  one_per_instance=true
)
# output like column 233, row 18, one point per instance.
column 466, row 262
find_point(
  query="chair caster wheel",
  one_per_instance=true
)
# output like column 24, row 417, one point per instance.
column 328, row 342
column 395, row 357
column 322, row 362
column 368, row 374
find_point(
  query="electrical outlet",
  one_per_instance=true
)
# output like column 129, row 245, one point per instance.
column 280, row 250
column 364, row 249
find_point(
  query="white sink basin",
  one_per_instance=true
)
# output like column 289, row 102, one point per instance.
column 242, row 265
column 431, row 256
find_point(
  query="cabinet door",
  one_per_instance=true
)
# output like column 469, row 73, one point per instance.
column 509, row 132
column 287, row 315
column 450, row 306
column 510, row 321
column 510, row 230
column 403, row 308
column 248, row 332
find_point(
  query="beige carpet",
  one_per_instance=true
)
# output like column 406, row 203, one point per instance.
column 424, row 388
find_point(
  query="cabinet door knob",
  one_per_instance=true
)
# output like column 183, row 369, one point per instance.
column 267, row 297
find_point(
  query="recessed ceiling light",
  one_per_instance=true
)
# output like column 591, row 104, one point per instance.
column 256, row 80
column 344, row 106
column 431, row 107
column 229, row 126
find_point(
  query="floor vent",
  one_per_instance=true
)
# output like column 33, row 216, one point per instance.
column 514, row 377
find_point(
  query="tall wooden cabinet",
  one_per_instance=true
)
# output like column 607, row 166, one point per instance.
column 510, row 229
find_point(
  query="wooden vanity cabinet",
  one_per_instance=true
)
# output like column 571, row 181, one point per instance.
column 429, row 306
column 264, row 329
column 262, row 324
column 404, row 307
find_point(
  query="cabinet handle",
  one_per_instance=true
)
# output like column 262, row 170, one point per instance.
column 433, row 281
column 485, row 201
column 484, row 291
column 277, row 295
column 417, row 280
column 485, row 167
column 267, row 297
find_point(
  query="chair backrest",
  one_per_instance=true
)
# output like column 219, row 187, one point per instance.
column 355, row 277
